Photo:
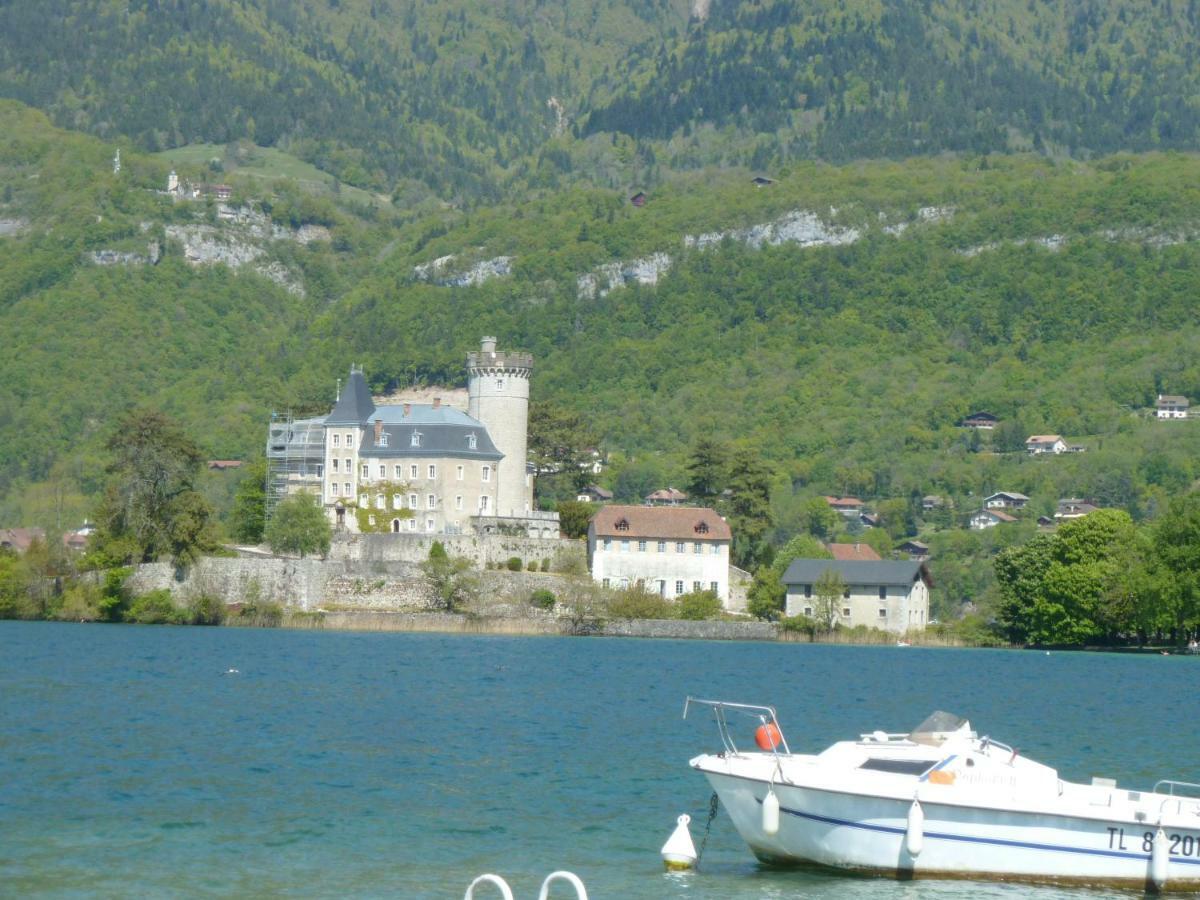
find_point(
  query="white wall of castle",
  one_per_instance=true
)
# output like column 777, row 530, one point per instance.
column 498, row 396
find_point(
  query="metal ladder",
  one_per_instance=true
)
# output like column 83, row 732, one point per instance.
column 506, row 892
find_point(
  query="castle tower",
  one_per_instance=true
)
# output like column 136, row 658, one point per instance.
column 498, row 396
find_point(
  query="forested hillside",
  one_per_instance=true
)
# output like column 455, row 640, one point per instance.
column 474, row 101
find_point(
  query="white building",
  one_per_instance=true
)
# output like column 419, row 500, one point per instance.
column 1045, row 443
column 990, row 518
column 884, row 594
column 669, row 550
column 1171, row 406
column 1006, row 500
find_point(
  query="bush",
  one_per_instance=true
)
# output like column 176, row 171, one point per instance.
column 546, row 564
column 205, row 610
column 153, row 608
column 260, row 614
column 798, row 623
column 638, row 603
column 531, row 566
column 542, row 599
column 80, row 603
column 514, row 564
column 698, row 605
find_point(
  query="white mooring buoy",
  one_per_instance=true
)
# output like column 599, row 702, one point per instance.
column 1159, row 857
column 914, row 835
column 679, row 852
column 770, row 813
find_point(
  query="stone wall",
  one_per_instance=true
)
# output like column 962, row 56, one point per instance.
column 483, row 550
column 678, row 628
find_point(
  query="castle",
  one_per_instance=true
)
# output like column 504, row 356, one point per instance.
column 421, row 468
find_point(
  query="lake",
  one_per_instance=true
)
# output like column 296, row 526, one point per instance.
column 403, row 765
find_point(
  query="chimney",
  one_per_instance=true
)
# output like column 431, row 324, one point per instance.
column 378, row 431
column 407, row 410
column 437, row 402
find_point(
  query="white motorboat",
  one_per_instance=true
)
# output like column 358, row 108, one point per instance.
column 941, row 801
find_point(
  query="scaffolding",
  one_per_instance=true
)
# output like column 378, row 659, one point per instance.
column 295, row 458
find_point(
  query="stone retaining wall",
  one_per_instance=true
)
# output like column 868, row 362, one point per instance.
column 483, row 550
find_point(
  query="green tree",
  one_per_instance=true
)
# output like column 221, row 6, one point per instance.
column 151, row 508
column 249, row 504
column 828, row 594
column 708, row 470
column 768, row 593
column 299, row 525
column 1176, row 539
column 748, row 508
column 451, row 580
column 818, row 518
column 574, row 516
column 560, row 444
column 698, row 605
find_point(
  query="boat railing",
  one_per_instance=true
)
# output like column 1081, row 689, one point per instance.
column 1171, row 787
column 985, row 742
column 764, row 714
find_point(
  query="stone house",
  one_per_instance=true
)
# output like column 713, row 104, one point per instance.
column 885, row 594
column 1171, row 406
column 669, row 550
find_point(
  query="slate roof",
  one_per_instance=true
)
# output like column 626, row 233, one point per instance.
column 889, row 572
column 355, row 405
column 676, row 523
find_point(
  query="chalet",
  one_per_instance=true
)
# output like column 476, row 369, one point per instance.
column 1045, row 523
column 983, row 421
column 665, row 497
column 1038, row 444
column 762, row 181
column 1006, row 500
column 20, row 539
column 669, row 550
column 1073, row 508
column 868, row 520
column 852, row 551
column 931, row 502
column 914, row 550
column 638, row 199
column 886, row 594
column 850, row 507
column 1171, row 406
column 1075, row 448
column 989, row 518
column 593, row 493
column 221, row 465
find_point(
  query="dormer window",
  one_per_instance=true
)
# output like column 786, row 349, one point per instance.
column 416, row 439
column 472, row 441
column 623, row 525
column 702, row 528
column 383, row 438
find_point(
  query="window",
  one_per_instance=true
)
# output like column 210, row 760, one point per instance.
column 695, row 586
column 371, row 520
column 716, row 548
column 349, row 465
column 662, row 546
column 608, row 543
column 499, row 384
column 605, row 582
column 365, row 470
column 349, row 490
column 679, row 546
column 429, row 524
column 487, row 473
column 702, row 528
column 412, row 471
column 380, row 501
column 412, row 501
column 382, row 471
column 678, row 588
column 472, row 441
column 396, row 470
column 432, row 470
column 807, row 591
column 460, row 473
column 625, row 546
column 333, row 489
column 349, row 439
column 320, row 470
column 883, row 612
column 415, row 440
column 697, row 547
column 337, row 442
column 845, row 612
column 641, row 546
column 382, row 442
column 712, row 586
column 883, row 592
column 335, row 464
column 808, row 611
column 412, row 524
column 846, row 593
column 364, row 501
column 431, row 501
column 483, row 503
column 458, row 502
column 622, row 525
column 397, row 501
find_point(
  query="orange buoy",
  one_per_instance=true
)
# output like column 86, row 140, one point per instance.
column 767, row 736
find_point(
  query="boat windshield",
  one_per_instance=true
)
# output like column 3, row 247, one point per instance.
column 937, row 727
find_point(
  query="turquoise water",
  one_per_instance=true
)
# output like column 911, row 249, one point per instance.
column 337, row 764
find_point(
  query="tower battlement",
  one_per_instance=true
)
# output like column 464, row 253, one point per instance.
column 514, row 362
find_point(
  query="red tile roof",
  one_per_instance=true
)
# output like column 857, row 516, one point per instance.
column 667, row 522
column 853, row 551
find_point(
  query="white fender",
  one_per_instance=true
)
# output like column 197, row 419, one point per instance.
column 570, row 878
column 1159, row 857
column 679, row 852
column 505, row 891
column 914, row 836
column 770, row 813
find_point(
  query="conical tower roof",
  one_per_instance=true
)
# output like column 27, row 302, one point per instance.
column 354, row 406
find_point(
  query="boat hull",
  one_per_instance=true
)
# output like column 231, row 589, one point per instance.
column 846, row 830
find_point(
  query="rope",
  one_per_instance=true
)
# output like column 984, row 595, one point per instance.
column 713, row 804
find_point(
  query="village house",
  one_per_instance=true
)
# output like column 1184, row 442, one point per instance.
column 19, row 540
column 914, row 550
column 1038, row 444
column 1171, row 406
column 852, row 551
column 1073, row 508
column 930, row 502
column 1006, row 500
column 222, row 465
column 419, row 467
column 983, row 421
column 665, row 497
column 668, row 550
column 593, row 493
column 885, row 594
column 850, row 507
column 989, row 518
